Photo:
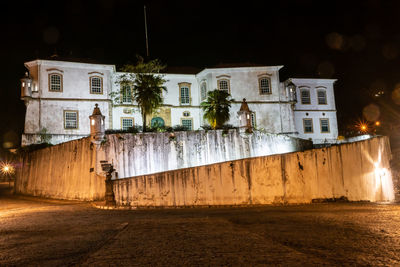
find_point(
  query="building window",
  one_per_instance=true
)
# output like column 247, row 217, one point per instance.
column 55, row 82
column 253, row 120
column 305, row 97
column 265, row 86
column 96, row 85
column 321, row 97
column 187, row 124
column 157, row 122
column 186, row 114
column 184, row 93
column 324, row 125
column 126, row 123
column 308, row 126
column 203, row 90
column 224, row 85
column 70, row 119
column 126, row 94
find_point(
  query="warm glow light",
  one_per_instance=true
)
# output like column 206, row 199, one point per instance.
column 6, row 169
column 377, row 123
column 362, row 126
column 92, row 122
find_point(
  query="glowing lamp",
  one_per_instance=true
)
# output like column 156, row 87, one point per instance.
column 97, row 130
column 244, row 117
column 26, row 86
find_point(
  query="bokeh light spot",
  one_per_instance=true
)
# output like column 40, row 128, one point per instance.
column 390, row 51
column 371, row 112
column 335, row 41
column 396, row 94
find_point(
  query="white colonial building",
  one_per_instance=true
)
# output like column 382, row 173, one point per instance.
column 60, row 96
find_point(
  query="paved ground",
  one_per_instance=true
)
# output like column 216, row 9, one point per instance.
column 62, row 233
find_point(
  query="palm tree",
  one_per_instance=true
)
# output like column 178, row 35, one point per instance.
column 216, row 108
column 147, row 91
column 146, row 85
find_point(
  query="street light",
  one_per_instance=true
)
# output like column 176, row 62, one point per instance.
column 6, row 169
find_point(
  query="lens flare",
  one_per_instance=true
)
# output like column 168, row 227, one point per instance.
column 363, row 126
column 6, row 168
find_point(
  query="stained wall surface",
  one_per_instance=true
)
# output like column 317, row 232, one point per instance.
column 140, row 154
column 358, row 171
column 64, row 171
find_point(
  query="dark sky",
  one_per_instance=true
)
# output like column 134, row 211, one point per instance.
column 356, row 42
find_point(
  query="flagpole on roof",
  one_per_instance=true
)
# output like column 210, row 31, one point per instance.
column 145, row 29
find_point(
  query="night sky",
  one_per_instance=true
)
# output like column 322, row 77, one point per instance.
column 356, row 42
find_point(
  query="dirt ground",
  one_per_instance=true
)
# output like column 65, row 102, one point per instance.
column 42, row 232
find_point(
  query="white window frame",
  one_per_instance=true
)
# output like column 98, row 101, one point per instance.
column 68, row 121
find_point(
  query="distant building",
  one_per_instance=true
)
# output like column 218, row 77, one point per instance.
column 60, row 96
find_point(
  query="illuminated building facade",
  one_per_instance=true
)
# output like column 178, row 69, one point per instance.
column 60, row 96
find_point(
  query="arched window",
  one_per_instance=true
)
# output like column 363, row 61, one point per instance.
column 203, row 90
column 224, row 85
column 305, row 96
column 157, row 122
column 321, row 94
column 55, row 82
column 265, row 86
column 126, row 94
column 96, row 85
column 184, row 93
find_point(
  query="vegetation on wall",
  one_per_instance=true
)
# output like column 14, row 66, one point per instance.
column 146, row 86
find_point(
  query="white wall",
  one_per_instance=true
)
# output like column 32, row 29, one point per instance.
column 358, row 171
column 316, row 111
column 46, row 108
column 138, row 154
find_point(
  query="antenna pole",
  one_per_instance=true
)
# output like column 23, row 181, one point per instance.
column 145, row 29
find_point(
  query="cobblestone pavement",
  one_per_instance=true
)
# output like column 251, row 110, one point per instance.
column 42, row 232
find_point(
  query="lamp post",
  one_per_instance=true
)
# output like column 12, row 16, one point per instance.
column 97, row 129
column 26, row 86
column 245, row 117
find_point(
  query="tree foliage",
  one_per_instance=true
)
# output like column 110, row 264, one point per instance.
column 146, row 85
column 216, row 108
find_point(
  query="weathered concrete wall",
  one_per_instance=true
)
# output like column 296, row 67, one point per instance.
column 358, row 171
column 140, row 154
column 64, row 171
